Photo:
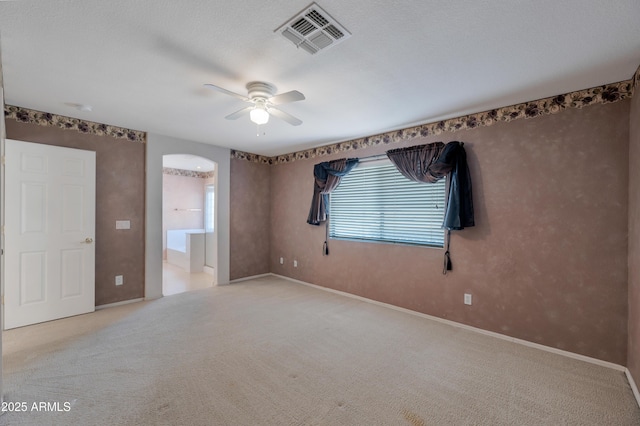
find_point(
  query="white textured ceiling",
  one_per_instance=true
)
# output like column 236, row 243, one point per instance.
column 142, row 64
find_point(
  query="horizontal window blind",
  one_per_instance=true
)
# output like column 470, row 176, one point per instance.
column 379, row 204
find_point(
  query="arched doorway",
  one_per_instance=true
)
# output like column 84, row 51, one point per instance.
column 189, row 228
column 156, row 147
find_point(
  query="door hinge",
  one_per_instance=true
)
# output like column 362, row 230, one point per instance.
column 3, row 159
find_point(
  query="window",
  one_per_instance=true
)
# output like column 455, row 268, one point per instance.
column 209, row 212
column 374, row 202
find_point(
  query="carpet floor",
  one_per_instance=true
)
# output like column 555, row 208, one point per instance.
column 272, row 352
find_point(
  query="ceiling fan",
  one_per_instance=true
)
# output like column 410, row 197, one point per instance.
column 263, row 102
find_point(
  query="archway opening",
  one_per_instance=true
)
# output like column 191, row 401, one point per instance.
column 189, row 219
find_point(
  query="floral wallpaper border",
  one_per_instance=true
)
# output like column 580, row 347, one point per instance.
column 25, row 115
column 188, row 173
column 552, row 105
column 596, row 95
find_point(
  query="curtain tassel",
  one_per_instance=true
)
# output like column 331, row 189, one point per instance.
column 325, row 246
column 447, row 257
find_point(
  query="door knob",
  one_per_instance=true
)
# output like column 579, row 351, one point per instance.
column 88, row 240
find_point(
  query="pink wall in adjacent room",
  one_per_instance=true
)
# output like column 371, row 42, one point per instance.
column 547, row 261
column 182, row 204
column 634, row 239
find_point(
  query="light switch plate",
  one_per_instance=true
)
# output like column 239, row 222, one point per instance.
column 123, row 224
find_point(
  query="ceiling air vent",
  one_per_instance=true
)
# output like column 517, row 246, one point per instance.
column 313, row 30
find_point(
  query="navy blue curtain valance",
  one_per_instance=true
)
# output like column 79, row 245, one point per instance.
column 327, row 178
column 430, row 163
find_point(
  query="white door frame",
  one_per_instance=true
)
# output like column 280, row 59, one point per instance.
column 2, row 138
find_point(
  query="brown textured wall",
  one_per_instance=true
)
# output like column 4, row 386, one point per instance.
column 547, row 261
column 119, row 196
column 633, row 362
column 250, row 219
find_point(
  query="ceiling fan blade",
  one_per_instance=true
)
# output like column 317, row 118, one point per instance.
column 284, row 116
column 239, row 113
column 227, row 92
column 283, row 98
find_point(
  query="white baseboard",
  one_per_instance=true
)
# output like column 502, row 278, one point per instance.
column 471, row 328
column 124, row 302
column 632, row 383
column 239, row 280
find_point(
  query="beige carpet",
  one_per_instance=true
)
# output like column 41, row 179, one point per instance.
column 272, row 352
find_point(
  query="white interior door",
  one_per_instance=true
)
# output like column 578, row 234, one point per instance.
column 49, row 232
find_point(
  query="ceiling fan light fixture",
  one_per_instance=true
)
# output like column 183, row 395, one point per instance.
column 263, row 103
column 259, row 115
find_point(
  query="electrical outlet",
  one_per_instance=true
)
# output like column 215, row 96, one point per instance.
column 282, row 260
column 119, row 280
column 295, row 263
column 467, row 299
